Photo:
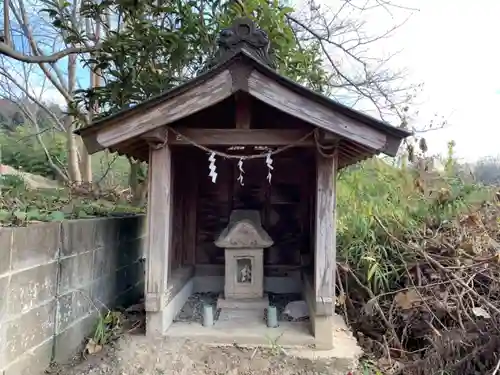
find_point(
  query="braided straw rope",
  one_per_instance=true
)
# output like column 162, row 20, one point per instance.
column 321, row 148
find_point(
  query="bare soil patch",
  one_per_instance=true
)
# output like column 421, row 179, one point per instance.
column 137, row 354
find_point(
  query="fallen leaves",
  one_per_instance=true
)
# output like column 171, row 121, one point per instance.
column 407, row 299
column 92, row 347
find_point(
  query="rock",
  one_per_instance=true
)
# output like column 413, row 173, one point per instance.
column 296, row 310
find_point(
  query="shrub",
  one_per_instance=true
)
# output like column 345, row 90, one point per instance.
column 21, row 150
column 375, row 198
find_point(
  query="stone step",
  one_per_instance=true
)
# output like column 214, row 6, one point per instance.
column 241, row 317
column 243, row 303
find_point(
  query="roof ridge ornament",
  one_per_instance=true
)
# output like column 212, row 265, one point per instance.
column 243, row 34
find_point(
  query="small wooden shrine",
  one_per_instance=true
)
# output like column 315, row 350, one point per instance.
column 241, row 137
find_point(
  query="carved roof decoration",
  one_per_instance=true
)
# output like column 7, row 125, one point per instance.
column 244, row 231
column 243, row 34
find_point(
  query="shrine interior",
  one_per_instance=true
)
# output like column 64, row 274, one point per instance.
column 285, row 201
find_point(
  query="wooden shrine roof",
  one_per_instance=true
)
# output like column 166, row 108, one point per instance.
column 243, row 65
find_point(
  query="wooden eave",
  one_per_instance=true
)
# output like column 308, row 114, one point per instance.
column 125, row 130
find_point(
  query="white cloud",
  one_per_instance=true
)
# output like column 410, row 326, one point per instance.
column 451, row 46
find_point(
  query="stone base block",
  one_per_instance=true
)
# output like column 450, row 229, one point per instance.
column 243, row 303
column 240, row 317
column 323, row 332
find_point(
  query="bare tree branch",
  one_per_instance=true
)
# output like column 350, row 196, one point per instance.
column 359, row 76
column 22, row 18
column 9, row 86
column 35, row 100
column 6, row 23
column 38, row 59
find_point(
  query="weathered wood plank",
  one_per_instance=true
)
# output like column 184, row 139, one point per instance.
column 292, row 103
column 190, row 222
column 243, row 110
column 325, row 239
column 203, row 96
column 159, row 227
column 158, row 135
column 241, row 137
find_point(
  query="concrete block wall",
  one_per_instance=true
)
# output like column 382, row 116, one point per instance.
column 53, row 275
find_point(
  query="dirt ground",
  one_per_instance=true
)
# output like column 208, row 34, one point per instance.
column 137, row 354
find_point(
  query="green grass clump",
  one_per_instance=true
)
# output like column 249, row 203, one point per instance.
column 20, row 206
column 378, row 203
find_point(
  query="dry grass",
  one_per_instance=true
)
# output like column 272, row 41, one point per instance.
column 419, row 269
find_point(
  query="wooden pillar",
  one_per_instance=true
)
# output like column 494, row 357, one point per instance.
column 159, row 235
column 325, row 252
column 191, row 207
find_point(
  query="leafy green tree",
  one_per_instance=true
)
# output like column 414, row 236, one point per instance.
column 162, row 46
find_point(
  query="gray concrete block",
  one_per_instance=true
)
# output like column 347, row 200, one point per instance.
column 107, row 231
column 79, row 236
column 104, row 262
column 129, row 228
column 143, row 222
column 4, row 293
column 3, row 343
column 104, row 291
column 134, row 273
column 72, row 340
column 27, row 330
column 131, row 296
column 122, row 281
column 128, row 252
column 33, row 362
column 31, row 287
column 76, row 272
column 71, row 307
column 5, row 247
column 35, row 245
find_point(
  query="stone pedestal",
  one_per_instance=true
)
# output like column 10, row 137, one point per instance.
column 244, row 241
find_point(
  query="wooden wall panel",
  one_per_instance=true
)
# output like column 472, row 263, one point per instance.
column 212, row 210
column 284, row 205
column 177, row 219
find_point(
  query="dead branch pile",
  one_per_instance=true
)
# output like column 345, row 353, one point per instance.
column 443, row 317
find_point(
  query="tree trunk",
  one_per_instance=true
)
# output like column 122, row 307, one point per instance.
column 85, row 164
column 72, row 146
column 86, row 160
column 69, row 124
column 138, row 184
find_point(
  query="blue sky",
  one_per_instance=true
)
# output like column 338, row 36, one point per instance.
column 21, row 44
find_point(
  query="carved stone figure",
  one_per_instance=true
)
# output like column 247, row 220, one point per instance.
column 245, row 272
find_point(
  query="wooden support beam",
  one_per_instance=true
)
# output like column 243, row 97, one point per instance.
column 191, row 212
column 243, row 110
column 325, row 252
column 156, row 136
column 240, row 137
column 159, row 226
